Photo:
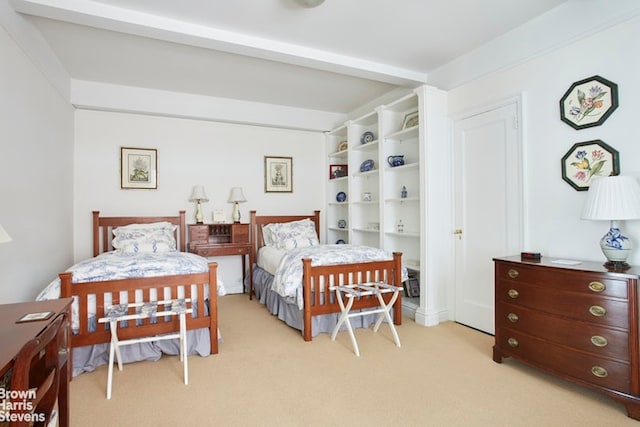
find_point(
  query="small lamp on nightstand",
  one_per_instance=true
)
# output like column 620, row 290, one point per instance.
column 236, row 197
column 613, row 198
column 4, row 236
column 198, row 196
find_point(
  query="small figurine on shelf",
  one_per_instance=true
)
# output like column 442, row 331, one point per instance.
column 400, row 226
column 403, row 192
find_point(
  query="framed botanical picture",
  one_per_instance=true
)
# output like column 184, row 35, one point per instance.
column 138, row 168
column 410, row 120
column 338, row 171
column 589, row 102
column 278, row 174
column 587, row 159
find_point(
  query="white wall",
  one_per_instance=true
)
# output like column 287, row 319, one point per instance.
column 216, row 155
column 553, row 208
column 36, row 176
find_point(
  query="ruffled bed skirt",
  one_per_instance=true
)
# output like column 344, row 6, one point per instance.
column 287, row 310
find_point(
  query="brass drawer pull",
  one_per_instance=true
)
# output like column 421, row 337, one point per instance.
column 513, row 342
column 597, row 286
column 513, row 318
column 512, row 273
column 513, row 293
column 599, row 341
column 599, row 371
column 597, row 311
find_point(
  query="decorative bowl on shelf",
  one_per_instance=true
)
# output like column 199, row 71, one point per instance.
column 367, row 165
column 366, row 137
column 342, row 223
column 343, row 146
column 341, row 196
column 340, row 242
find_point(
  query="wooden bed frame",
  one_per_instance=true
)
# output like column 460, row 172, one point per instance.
column 102, row 233
column 315, row 277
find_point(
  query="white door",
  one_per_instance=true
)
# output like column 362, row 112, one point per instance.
column 488, row 207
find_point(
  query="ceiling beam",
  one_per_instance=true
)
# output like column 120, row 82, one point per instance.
column 99, row 15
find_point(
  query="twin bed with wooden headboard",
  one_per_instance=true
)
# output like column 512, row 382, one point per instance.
column 294, row 271
column 149, row 263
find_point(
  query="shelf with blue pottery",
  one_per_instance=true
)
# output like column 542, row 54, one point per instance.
column 345, row 204
column 405, row 167
column 369, row 146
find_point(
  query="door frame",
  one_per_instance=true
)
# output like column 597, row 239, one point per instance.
column 522, row 194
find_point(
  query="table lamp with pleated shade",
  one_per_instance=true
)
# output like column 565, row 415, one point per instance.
column 615, row 199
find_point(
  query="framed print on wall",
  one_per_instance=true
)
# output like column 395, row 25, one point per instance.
column 138, row 168
column 587, row 159
column 588, row 102
column 278, row 174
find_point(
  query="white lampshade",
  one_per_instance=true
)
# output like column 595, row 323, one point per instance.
column 236, row 195
column 613, row 198
column 198, row 194
column 4, row 236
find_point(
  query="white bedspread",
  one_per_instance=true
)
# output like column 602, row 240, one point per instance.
column 114, row 265
column 288, row 278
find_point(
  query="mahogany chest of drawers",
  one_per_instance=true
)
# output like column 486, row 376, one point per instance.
column 576, row 321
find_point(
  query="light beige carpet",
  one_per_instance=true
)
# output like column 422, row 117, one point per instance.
column 266, row 375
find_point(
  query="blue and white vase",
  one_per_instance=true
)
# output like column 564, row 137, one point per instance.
column 615, row 246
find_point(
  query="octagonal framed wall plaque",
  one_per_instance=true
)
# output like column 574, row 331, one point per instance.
column 589, row 102
column 588, row 159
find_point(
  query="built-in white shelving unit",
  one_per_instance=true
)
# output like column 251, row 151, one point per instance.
column 376, row 204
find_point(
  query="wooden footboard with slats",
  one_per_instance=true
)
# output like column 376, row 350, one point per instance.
column 321, row 277
column 90, row 297
column 318, row 299
column 202, row 288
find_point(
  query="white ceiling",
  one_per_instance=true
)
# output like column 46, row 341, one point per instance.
column 335, row 57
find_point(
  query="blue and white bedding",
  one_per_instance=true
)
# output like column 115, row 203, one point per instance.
column 288, row 277
column 120, row 265
column 117, row 265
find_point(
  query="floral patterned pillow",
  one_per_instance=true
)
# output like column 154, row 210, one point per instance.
column 147, row 238
column 291, row 235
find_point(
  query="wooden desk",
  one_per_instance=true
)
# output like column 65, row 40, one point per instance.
column 14, row 335
column 227, row 249
column 209, row 240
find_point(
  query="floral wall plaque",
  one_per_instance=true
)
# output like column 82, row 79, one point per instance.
column 589, row 102
column 586, row 160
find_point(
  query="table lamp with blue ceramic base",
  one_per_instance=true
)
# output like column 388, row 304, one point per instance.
column 615, row 199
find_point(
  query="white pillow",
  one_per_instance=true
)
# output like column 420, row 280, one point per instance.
column 291, row 235
column 145, row 234
column 267, row 235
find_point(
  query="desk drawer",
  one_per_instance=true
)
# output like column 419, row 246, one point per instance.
column 211, row 251
column 198, row 234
